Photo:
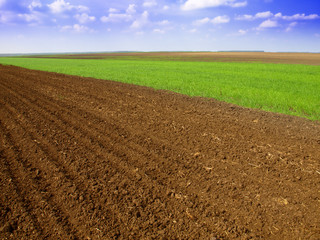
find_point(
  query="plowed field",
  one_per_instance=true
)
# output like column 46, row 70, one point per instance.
column 89, row 159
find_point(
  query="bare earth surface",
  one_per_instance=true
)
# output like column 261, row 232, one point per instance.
column 263, row 57
column 91, row 159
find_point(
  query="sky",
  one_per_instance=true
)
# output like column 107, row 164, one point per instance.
column 45, row 26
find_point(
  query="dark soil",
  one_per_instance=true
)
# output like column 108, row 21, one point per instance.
column 89, row 159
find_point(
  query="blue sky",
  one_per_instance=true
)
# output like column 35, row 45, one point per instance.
column 28, row 26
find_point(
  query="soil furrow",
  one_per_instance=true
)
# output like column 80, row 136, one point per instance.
column 34, row 196
column 15, row 208
column 130, row 172
column 146, row 155
column 133, row 170
column 210, row 191
column 126, row 162
column 71, row 185
column 106, row 125
column 180, row 189
column 103, row 139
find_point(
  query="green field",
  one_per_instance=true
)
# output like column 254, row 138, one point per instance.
column 286, row 88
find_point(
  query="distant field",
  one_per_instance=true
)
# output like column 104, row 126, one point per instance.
column 286, row 88
column 263, row 57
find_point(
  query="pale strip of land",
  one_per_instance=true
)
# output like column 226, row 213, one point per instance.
column 264, row 57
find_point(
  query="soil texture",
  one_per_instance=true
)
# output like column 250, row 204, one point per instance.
column 82, row 158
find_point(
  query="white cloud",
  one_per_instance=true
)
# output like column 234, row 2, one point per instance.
column 165, row 7
column 220, row 19
column 105, row 19
column 80, row 28
column 33, row 17
column 158, row 31
column 163, row 23
column 149, row 3
column 194, row 30
column 77, row 28
column 291, row 26
column 66, row 28
column 81, row 8
column 268, row 24
column 2, row 2
column 298, row 17
column 245, row 17
column 238, row 4
column 131, row 9
column 242, row 32
column 267, row 14
column 116, row 17
column 60, row 6
column 278, row 15
column 113, row 10
column 29, row 18
column 258, row 15
column 34, row 4
column 119, row 17
column 201, row 21
column 84, row 18
column 141, row 21
column 272, row 19
column 216, row 20
column 198, row 4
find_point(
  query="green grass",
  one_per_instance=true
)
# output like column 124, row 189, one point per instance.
column 290, row 89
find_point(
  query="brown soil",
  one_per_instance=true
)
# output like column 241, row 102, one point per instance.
column 91, row 159
column 265, row 57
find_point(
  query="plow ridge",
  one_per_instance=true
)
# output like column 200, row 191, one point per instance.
column 34, row 199
column 90, row 159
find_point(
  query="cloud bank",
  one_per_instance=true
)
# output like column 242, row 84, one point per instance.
column 199, row 4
